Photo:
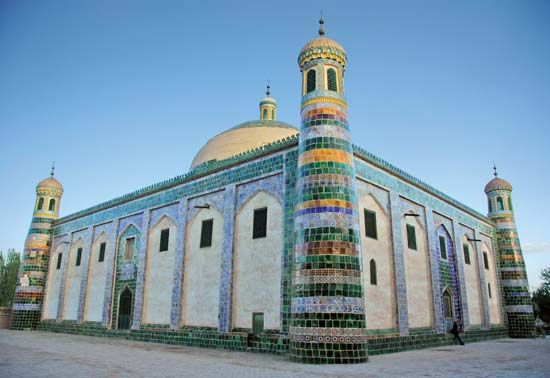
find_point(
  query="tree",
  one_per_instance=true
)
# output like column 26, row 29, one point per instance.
column 541, row 296
column 9, row 270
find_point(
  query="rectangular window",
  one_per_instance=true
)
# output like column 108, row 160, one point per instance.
column 259, row 229
column 164, row 238
column 489, row 290
column 78, row 256
column 206, row 233
column 443, row 247
column 485, row 260
column 257, row 323
column 466, row 253
column 59, row 257
column 411, row 237
column 102, row 247
column 129, row 250
column 370, row 224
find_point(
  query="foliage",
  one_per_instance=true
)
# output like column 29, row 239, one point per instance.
column 541, row 297
column 9, row 269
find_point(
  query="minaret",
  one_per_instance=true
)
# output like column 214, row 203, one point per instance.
column 327, row 312
column 29, row 294
column 514, row 285
column 268, row 107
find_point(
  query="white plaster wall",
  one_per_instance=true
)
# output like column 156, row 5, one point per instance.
column 418, row 277
column 54, row 284
column 95, row 289
column 380, row 299
column 72, row 283
column 491, row 277
column 473, row 290
column 257, row 264
column 157, row 303
column 201, row 290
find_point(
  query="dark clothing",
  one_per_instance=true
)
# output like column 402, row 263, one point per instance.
column 456, row 333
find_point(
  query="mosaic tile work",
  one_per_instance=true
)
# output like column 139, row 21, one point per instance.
column 327, row 318
column 514, row 284
column 126, row 269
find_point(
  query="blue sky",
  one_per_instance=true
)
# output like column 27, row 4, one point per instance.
column 123, row 94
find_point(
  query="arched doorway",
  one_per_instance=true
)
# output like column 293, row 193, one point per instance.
column 448, row 309
column 125, row 309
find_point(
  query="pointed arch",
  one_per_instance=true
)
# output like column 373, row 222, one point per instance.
column 311, row 80
column 373, row 273
column 500, row 204
column 51, row 206
column 332, row 80
column 40, row 204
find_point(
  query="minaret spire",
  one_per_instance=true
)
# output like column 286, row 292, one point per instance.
column 321, row 23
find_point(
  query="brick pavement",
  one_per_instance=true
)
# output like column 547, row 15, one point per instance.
column 41, row 354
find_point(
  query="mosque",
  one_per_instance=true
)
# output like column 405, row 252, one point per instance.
column 280, row 239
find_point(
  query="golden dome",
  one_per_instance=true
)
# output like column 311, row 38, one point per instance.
column 241, row 138
column 497, row 184
column 50, row 183
column 323, row 42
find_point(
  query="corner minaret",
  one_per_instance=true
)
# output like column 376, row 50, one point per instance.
column 29, row 294
column 514, row 285
column 327, row 311
column 268, row 106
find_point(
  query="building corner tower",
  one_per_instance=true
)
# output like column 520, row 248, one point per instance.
column 29, row 293
column 327, row 311
column 514, row 286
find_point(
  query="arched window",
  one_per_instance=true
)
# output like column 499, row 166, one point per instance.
column 40, row 203
column 510, row 203
column 310, row 80
column 273, row 114
column 490, row 204
column 447, row 305
column 373, row 278
column 331, row 80
column 264, row 116
column 51, row 206
column 500, row 203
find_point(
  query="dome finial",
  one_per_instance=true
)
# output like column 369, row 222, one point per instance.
column 53, row 169
column 321, row 23
column 495, row 169
column 268, row 92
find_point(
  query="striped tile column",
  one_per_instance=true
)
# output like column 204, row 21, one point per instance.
column 514, row 286
column 327, row 312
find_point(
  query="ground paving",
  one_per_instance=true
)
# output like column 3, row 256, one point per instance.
column 41, row 354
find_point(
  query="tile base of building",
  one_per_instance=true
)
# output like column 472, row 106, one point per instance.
column 25, row 320
column 268, row 343
column 521, row 325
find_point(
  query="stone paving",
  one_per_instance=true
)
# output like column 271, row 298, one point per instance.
column 41, row 354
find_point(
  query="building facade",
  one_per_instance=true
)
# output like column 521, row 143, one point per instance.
column 293, row 241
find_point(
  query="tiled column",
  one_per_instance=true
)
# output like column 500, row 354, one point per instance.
column 179, row 264
column 64, row 268
column 457, row 231
column 226, row 281
column 434, row 268
column 110, row 274
column 141, row 270
column 399, row 263
column 483, row 283
column 87, row 251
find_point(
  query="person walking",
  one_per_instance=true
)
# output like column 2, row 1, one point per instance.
column 456, row 333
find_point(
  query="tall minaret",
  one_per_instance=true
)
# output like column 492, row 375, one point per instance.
column 29, row 294
column 514, row 285
column 327, row 312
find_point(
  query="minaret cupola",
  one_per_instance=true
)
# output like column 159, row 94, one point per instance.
column 268, row 107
